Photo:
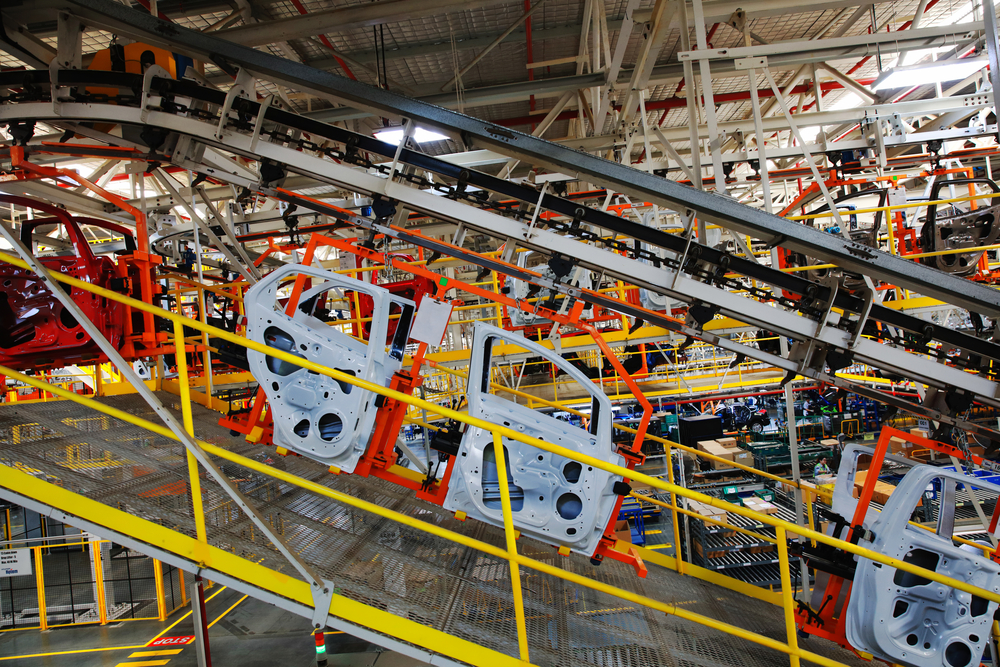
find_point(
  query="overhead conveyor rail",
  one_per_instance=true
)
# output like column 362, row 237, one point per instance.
column 459, row 611
column 684, row 270
column 712, row 207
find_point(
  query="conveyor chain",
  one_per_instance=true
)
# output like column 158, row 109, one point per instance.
column 707, row 266
column 715, row 264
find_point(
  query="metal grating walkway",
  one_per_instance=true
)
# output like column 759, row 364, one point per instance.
column 373, row 560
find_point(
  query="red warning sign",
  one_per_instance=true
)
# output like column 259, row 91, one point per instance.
column 171, row 641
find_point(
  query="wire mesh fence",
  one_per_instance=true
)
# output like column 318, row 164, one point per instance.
column 87, row 581
column 18, row 598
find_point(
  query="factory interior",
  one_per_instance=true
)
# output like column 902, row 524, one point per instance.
column 504, row 333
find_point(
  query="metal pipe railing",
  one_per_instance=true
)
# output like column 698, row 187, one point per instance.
column 479, row 545
column 499, row 431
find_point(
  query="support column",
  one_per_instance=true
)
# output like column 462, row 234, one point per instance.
column 40, row 584
column 692, row 98
column 161, row 599
column 990, row 24
column 714, row 140
column 201, row 647
column 793, row 448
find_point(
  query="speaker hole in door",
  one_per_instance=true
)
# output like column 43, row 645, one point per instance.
column 67, row 320
column 978, row 606
column 344, row 386
column 957, row 654
column 330, row 426
column 278, row 339
column 569, row 506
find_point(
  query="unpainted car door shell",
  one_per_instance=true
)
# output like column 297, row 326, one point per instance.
column 910, row 620
column 315, row 415
column 556, row 500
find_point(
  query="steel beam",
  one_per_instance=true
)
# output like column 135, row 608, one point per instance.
column 682, row 286
column 933, row 106
column 709, row 206
column 955, row 34
column 345, row 18
column 900, row 144
column 661, row 74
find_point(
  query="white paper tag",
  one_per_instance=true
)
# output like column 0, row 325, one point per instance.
column 431, row 321
column 15, row 562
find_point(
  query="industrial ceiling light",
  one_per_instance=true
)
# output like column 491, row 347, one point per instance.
column 393, row 135
column 936, row 72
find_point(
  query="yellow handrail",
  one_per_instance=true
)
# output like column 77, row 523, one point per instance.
column 480, row 423
column 464, row 540
column 790, row 648
column 891, row 207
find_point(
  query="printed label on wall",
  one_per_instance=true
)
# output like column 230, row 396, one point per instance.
column 15, row 562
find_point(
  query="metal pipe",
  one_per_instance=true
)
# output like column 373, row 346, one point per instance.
column 438, row 531
column 180, row 354
column 447, row 412
column 508, row 529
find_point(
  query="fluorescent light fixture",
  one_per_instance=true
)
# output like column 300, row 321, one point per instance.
column 393, row 135
column 936, row 72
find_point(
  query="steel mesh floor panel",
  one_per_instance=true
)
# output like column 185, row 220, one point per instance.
column 379, row 562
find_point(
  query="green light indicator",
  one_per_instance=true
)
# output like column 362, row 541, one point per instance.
column 321, row 649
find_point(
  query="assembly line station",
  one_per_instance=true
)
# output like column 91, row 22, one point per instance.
column 499, row 332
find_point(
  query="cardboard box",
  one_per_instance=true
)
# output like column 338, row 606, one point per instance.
column 829, row 442
column 708, row 511
column 711, row 554
column 744, row 457
column 704, row 445
column 720, row 451
column 900, row 447
column 760, row 506
column 881, row 492
column 765, row 507
column 715, row 449
column 921, row 433
column 728, row 443
column 623, row 531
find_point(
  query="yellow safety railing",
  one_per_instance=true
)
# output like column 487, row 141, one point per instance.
column 887, row 214
column 99, row 611
column 691, row 371
column 510, row 554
